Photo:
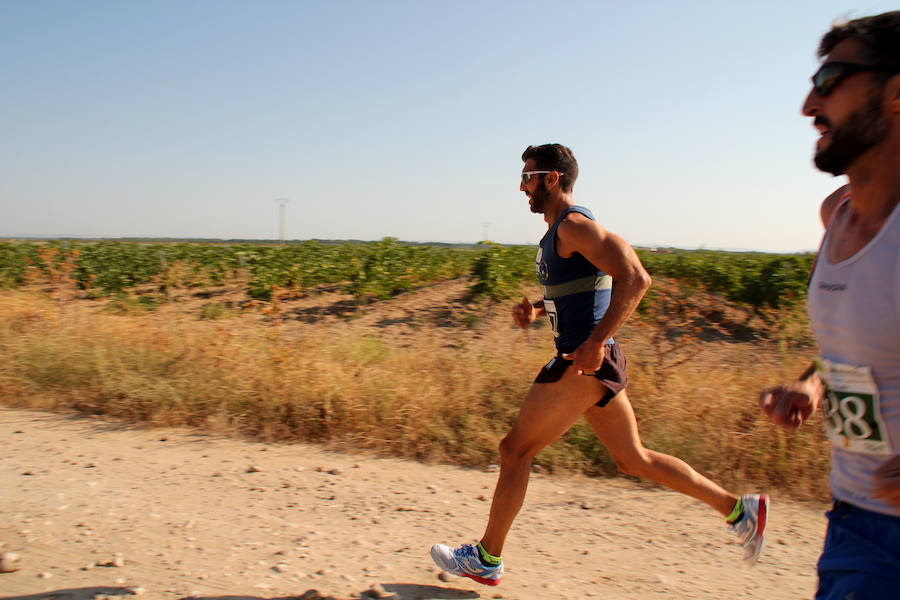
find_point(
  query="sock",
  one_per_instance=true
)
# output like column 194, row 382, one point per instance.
column 737, row 512
column 487, row 559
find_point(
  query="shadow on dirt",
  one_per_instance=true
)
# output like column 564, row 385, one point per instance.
column 314, row 314
column 412, row 591
column 713, row 327
column 85, row 593
column 440, row 312
column 404, row 591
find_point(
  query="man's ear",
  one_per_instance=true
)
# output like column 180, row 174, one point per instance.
column 892, row 93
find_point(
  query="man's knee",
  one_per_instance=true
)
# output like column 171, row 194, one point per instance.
column 636, row 463
column 513, row 450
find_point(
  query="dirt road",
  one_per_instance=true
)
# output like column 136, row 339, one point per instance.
column 98, row 508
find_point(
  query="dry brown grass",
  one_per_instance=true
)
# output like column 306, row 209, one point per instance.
column 424, row 375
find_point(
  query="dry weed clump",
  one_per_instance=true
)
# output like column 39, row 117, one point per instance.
column 341, row 387
column 707, row 413
column 448, row 396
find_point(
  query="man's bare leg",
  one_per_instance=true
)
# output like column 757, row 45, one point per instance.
column 548, row 411
column 617, row 429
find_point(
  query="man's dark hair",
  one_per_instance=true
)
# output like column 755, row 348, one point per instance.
column 878, row 34
column 554, row 157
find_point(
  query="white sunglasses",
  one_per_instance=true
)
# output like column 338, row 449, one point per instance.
column 526, row 175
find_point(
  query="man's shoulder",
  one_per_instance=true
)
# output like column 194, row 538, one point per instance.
column 831, row 202
column 578, row 215
column 575, row 222
column 578, row 233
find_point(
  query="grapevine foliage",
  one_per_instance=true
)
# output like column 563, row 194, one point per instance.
column 373, row 270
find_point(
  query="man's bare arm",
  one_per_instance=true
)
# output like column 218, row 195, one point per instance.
column 614, row 256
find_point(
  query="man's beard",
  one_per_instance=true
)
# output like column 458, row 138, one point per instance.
column 863, row 129
column 539, row 198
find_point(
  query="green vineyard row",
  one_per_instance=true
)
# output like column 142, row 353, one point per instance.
column 371, row 270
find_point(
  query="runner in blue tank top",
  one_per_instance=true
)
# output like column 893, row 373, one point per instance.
column 577, row 262
column 576, row 293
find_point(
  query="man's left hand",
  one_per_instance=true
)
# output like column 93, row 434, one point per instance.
column 887, row 477
column 587, row 358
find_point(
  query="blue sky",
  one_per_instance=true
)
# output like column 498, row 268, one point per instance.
column 408, row 118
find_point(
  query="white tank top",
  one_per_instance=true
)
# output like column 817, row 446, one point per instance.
column 854, row 310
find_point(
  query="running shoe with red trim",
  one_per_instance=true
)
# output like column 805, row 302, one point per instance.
column 751, row 528
column 464, row 562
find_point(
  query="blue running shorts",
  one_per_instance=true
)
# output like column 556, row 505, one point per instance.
column 861, row 559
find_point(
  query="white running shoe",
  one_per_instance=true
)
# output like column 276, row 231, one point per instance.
column 751, row 528
column 464, row 562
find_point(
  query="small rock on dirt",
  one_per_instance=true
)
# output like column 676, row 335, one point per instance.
column 9, row 562
column 378, row 591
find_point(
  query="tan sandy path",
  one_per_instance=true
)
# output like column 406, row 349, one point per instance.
column 183, row 517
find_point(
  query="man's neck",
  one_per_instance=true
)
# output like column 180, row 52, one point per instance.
column 556, row 206
column 875, row 182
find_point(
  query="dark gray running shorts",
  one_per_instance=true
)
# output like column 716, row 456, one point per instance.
column 611, row 373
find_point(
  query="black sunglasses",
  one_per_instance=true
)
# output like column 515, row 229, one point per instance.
column 831, row 74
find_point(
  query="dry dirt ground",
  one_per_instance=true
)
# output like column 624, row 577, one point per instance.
column 99, row 508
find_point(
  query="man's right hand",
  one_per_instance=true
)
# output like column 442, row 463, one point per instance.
column 790, row 405
column 524, row 313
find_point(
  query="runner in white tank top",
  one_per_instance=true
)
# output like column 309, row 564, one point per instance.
column 854, row 309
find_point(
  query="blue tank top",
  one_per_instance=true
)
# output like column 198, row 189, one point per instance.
column 576, row 293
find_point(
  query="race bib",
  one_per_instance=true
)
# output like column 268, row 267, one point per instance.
column 851, row 408
column 550, row 307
